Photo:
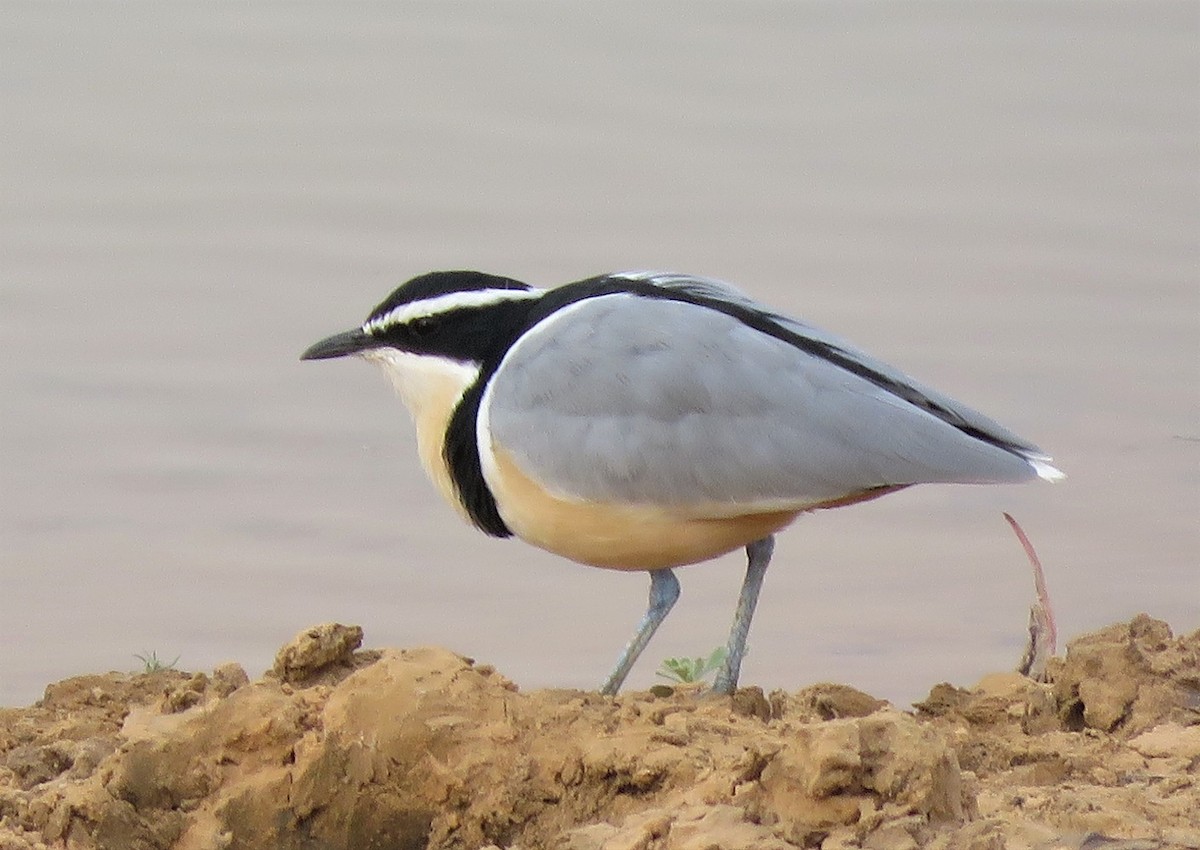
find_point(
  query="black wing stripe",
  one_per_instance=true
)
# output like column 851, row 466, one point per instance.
column 765, row 323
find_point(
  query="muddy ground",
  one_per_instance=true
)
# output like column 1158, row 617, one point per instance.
column 339, row 747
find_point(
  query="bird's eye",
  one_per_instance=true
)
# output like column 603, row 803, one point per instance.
column 422, row 325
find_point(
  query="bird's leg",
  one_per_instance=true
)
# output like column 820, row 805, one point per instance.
column 664, row 590
column 758, row 556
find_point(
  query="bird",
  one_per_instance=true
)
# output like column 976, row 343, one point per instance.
column 644, row 421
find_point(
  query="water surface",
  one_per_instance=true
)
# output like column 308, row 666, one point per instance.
column 1001, row 199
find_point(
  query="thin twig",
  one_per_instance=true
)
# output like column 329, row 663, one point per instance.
column 1043, row 633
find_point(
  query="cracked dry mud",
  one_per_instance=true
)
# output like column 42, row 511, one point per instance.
column 338, row 747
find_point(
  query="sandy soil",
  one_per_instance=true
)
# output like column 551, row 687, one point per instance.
column 339, row 747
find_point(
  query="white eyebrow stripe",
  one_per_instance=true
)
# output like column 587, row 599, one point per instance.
column 648, row 275
column 446, row 303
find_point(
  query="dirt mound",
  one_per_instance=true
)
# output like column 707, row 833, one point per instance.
column 339, row 748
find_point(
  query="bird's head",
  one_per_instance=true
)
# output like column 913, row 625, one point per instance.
column 456, row 315
column 441, row 327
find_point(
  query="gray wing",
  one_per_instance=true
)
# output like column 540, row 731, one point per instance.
column 628, row 399
column 958, row 413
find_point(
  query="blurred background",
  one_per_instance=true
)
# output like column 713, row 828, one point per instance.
column 1001, row 199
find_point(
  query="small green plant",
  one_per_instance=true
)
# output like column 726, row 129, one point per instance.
column 151, row 663
column 688, row 671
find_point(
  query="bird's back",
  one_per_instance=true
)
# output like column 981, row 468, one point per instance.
column 627, row 398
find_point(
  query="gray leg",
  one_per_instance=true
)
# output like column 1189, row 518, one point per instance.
column 664, row 590
column 758, row 556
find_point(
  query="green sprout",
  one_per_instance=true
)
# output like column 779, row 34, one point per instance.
column 688, row 671
column 151, row 663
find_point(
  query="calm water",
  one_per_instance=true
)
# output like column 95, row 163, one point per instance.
column 1002, row 199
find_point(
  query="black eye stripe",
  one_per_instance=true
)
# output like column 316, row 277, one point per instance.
column 422, row 325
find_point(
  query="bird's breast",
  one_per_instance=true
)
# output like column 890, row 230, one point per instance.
column 431, row 388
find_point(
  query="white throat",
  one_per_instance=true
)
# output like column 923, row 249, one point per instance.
column 427, row 384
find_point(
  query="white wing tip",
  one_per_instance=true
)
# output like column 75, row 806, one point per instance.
column 1044, row 470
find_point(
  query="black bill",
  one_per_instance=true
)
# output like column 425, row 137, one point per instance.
column 339, row 345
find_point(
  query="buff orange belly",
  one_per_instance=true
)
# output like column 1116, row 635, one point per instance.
column 620, row 537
